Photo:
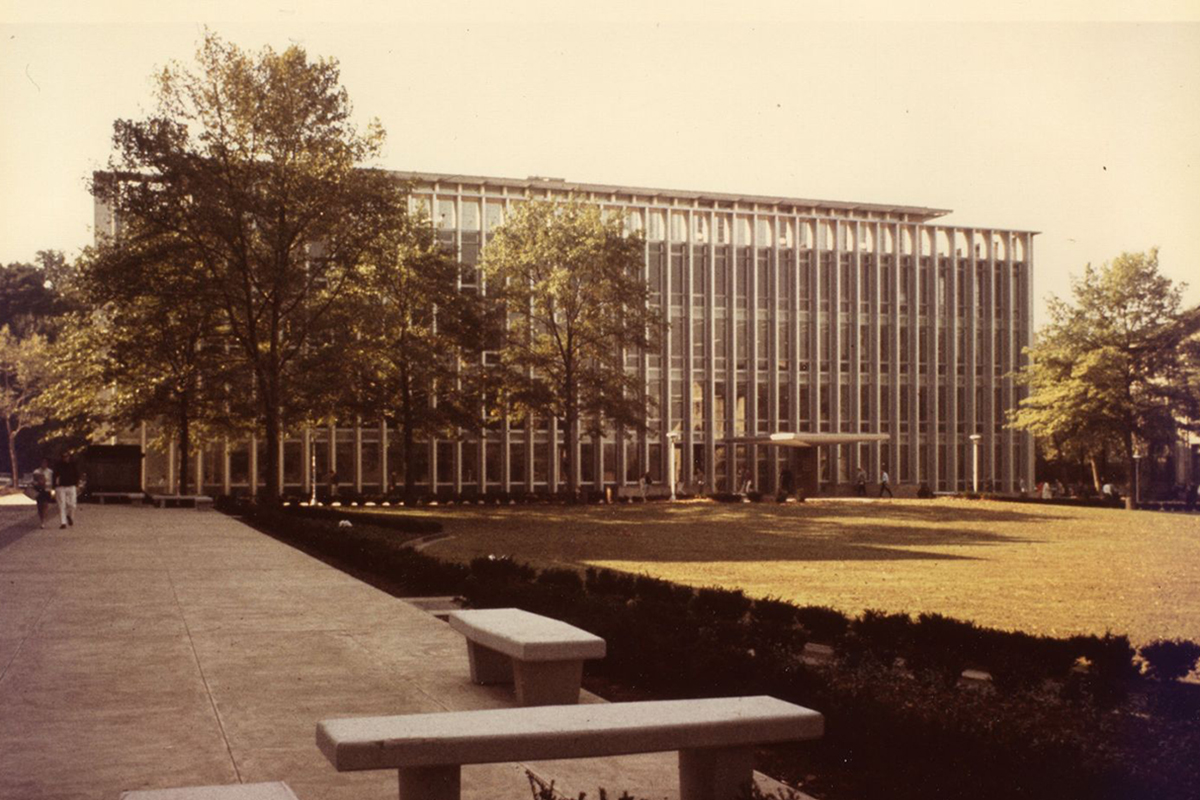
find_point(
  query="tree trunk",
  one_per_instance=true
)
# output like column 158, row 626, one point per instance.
column 1095, row 473
column 185, row 446
column 11, row 436
column 410, row 454
column 272, row 429
column 571, row 437
column 273, row 425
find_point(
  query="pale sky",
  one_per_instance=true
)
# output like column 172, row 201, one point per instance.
column 1078, row 119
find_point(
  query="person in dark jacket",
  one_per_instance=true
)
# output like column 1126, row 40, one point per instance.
column 66, row 484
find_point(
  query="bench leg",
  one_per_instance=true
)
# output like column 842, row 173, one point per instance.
column 715, row 773
column 430, row 783
column 547, row 683
column 487, row 665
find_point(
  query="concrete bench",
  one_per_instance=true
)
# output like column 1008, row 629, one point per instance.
column 715, row 739
column 200, row 502
column 542, row 657
column 236, row 791
column 136, row 498
column 653, row 491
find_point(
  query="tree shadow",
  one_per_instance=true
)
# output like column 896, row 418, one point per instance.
column 710, row 533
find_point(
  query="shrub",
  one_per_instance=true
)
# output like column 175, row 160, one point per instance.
column 723, row 604
column 379, row 519
column 608, row 581
column 1170, row 659
column 886, row 636
column 772, row 611
column 823, row 624
column 941, row 647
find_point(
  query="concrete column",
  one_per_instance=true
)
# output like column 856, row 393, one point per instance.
column 384, row 484
column 832, row 329
column 358, row 481
column 309, row 477
column 952, row 412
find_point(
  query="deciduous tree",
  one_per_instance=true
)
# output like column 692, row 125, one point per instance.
column 24, row 376
column 151, row 348
column 571, row 287
column 416, row 349
column 252, row 161
column 1106, row 368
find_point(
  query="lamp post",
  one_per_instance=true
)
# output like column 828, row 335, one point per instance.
column 672, row 438
column 312, row 472
column 975, row 437
column 1137, row 480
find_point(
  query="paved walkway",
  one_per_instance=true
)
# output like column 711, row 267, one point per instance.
column 146, row 648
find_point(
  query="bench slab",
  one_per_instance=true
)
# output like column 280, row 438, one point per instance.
column 527, row 637
column 551, row 732
column 542, row 657
column 276, row 790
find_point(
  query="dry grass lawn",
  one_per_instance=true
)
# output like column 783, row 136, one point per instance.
column 1043, row 569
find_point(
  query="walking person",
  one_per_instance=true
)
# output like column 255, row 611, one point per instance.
column 860, row 482
column 66, row 484
column 43, row 480
column 885, row 485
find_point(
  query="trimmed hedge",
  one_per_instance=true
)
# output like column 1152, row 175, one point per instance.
column 898, row 724
column 378, row 519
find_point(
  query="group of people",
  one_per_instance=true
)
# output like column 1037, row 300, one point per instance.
column 58, row 483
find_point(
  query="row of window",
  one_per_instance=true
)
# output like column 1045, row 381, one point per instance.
column 471, row 460
column 659, row 225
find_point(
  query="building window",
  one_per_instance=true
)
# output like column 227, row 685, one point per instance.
column 678, row 227
column 445, row 215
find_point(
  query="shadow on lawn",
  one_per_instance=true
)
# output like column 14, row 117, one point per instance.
column 720, row 537
column 692, row 513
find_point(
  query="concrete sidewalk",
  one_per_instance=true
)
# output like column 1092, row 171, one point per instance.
column 147, row 648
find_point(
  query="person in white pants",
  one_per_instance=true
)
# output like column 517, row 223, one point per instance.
column 66, row 484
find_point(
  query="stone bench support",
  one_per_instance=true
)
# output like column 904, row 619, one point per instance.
column 715, row 739
column 542, row 657
column 201, row 502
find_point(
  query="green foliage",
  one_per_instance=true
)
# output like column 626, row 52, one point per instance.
column 152, row 347
column 573, row 304
column 412, row 332
column 25, row 375
column 31, row 300
column 252, row 164
column 1106, row 372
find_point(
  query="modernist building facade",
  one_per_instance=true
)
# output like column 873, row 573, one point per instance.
column 786, row 316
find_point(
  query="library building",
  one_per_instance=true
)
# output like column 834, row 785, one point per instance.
column 820, row 337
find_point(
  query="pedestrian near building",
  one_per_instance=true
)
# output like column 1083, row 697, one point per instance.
column 860, row 482
column 885, row 484
column 66, row 485
column 787, row 485
column 43, row 481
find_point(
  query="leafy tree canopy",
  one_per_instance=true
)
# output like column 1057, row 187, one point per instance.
column 1106, row 371
column 253, row 164
column 574, row 300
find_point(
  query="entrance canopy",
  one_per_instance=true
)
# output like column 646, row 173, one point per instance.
column 810, row 439
column 804, row 458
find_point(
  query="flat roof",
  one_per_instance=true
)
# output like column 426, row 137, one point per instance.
column 536, row 182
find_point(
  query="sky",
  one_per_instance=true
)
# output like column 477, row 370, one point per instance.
column 1080, row 120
